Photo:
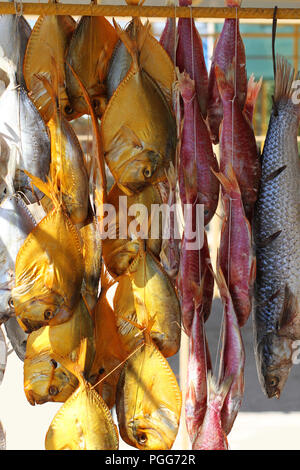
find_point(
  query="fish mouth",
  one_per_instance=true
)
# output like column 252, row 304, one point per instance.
column 30, row 325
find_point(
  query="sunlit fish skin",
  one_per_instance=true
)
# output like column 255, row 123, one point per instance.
column 16, row 223
column 16, row 336
column 49, row 40
column 277, row 240
column 119, row 250
column 138, row 141
column 25, row 133
column 148, row 401
column 84, row 421
column 94, row 39
column 14, row 35
column 49, row 272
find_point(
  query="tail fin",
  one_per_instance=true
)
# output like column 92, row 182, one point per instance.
column 130, row 44
column 217, row 392
column 51, row 88
column 225, row 82
column 229, row 182
column 252, row 95
column 285, row 77
column 49, row 189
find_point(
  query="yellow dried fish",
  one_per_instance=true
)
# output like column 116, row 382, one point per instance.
column 84, row 421
column 139, row 140
column 148, row 401
column 49, row 39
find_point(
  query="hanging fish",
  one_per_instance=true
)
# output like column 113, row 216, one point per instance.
column 168, row 36
column 16, row 336
column 133, row 215
column 67, row 167
column 94, row 39
column 14, row 35
column 232, row 357
column 143, row 143
column 236, row 252
column 211, row 435
column 84, row 421
column 49, row 270
column 148, row 400
column 237, row 143
column 229, row 46
column 25, row 134
column 110, row 354
column 190, row 57
column 277, row 239
column 196, row 153
column 16, row 223
column 46, row 379
column 49, row 40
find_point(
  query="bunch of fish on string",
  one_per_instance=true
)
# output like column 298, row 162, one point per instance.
column 156, row 135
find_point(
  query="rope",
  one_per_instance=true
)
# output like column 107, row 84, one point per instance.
column 149, row 11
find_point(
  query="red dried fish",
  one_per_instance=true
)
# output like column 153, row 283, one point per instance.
column 236, row 258
column 196, row 154
column 190, row 57
column 252, row 95
column 168, row 38
column 229, row 46
column 238, row 147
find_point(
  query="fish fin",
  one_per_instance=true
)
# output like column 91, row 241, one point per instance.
column 51, row 88
column 128, row 135
column 107, row 281
column 186, row 86
column 75, row 367
column 225, row 81
column 284, row 81
column 229, row 182
column 47, row 188
column 275, row 173
column 130, row 44
column 266, row 241
column 289, row 310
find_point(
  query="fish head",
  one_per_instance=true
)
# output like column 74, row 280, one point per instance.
column 274, row 363
column 45, row 380
column 156, row 431
column 37, row 312
column 145, row 168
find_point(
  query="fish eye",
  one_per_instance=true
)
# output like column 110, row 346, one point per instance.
column 53, row 390
column 142, row 438
column 68, row 110
column 48, row 314
column 11, row 303
column 101, row 370
column 147, row 172
column 54, row 363
column 273, row 382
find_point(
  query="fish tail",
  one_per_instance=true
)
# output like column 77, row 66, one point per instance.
column 233, row 3
column 229, row 182
column 253, row 90
column 217, row 392
column 225, row 81
column 129, row 43
column 48, row 188
column 106, row 280
column 76, row 367
column 285, row 81
column 186, row 86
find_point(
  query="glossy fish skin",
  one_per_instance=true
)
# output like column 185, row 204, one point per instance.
column 15, row 32
column 196, row 152
column 190, row 58
column 148, row 401
column 119, row 251
column 237, row 261
column 137, row 151
column 229, row 45
column 49, row 39
column 109, row 353
column 277, row 240
column 239, row 148
column 84, row 421
column 26, row 135
column 232, row 357
column 49, row 273
column 94, row 38
column 156, row 300
column 16, row 336
column 16, row 223
column 211, row 435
